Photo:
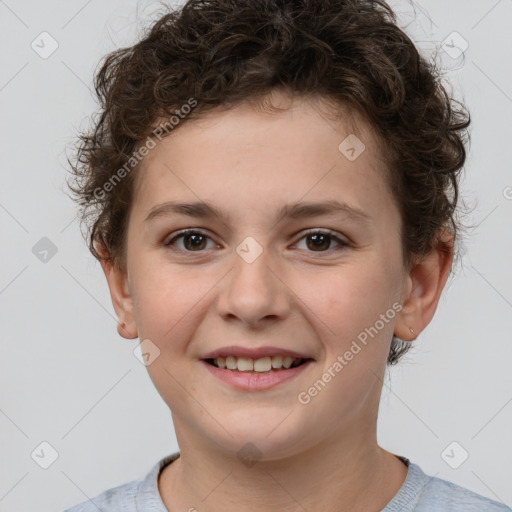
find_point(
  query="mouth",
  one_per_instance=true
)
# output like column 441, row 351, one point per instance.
column 261, row 365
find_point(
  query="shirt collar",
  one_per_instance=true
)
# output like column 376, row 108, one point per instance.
column 148, row 496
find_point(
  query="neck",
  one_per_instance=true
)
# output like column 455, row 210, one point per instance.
column 331, row 477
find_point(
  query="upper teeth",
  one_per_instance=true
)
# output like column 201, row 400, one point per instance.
column 246, row 364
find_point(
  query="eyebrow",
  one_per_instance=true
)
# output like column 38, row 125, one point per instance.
column 205, row 210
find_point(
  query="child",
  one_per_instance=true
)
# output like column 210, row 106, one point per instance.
column 273, row 187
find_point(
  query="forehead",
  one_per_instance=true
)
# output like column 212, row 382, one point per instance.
column 263, row 153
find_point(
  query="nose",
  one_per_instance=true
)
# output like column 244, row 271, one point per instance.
column 254, row 292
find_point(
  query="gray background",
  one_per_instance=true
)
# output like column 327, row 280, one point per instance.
column 68, row 379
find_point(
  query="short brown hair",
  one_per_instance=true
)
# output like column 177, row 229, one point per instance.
column 223, row 52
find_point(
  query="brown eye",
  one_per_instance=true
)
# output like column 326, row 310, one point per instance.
column 320, row 241
column 193, row 241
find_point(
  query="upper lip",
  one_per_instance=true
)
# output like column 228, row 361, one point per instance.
column 254, row 353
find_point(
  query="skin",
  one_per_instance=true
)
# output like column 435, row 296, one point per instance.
column 322, row 456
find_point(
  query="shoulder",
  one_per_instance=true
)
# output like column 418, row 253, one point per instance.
column 438, row 494
column 117, row 498
column 135, row 495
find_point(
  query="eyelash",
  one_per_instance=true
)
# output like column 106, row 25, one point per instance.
column 342, row 243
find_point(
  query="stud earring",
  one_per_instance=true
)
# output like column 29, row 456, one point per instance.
column 411, row 330
column 121, row 329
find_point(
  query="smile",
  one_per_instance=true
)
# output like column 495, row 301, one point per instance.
column 253, row 379
column 261, row 365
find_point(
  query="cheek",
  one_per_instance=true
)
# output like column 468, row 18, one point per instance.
column 164, row 305
column 353, row 298
column 356, row 340
column 357, row 308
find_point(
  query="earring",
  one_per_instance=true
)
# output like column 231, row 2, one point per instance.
column 121, row 329
column 122, row 326
column 411, row 330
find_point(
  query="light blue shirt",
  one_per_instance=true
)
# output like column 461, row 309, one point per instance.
column 419, row 493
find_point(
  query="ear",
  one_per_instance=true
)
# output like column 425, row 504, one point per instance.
column 120, row 294
column 423, row 288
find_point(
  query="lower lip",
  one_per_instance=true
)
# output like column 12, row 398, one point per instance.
column 254, row 381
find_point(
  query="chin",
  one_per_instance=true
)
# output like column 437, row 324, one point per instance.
column 267, row 438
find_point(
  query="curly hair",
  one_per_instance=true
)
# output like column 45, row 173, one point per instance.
column 222, row 52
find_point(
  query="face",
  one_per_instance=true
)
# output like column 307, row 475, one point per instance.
column 313, row 283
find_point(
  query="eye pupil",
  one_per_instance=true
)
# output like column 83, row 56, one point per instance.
column 319, row 240
column 196, row 239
